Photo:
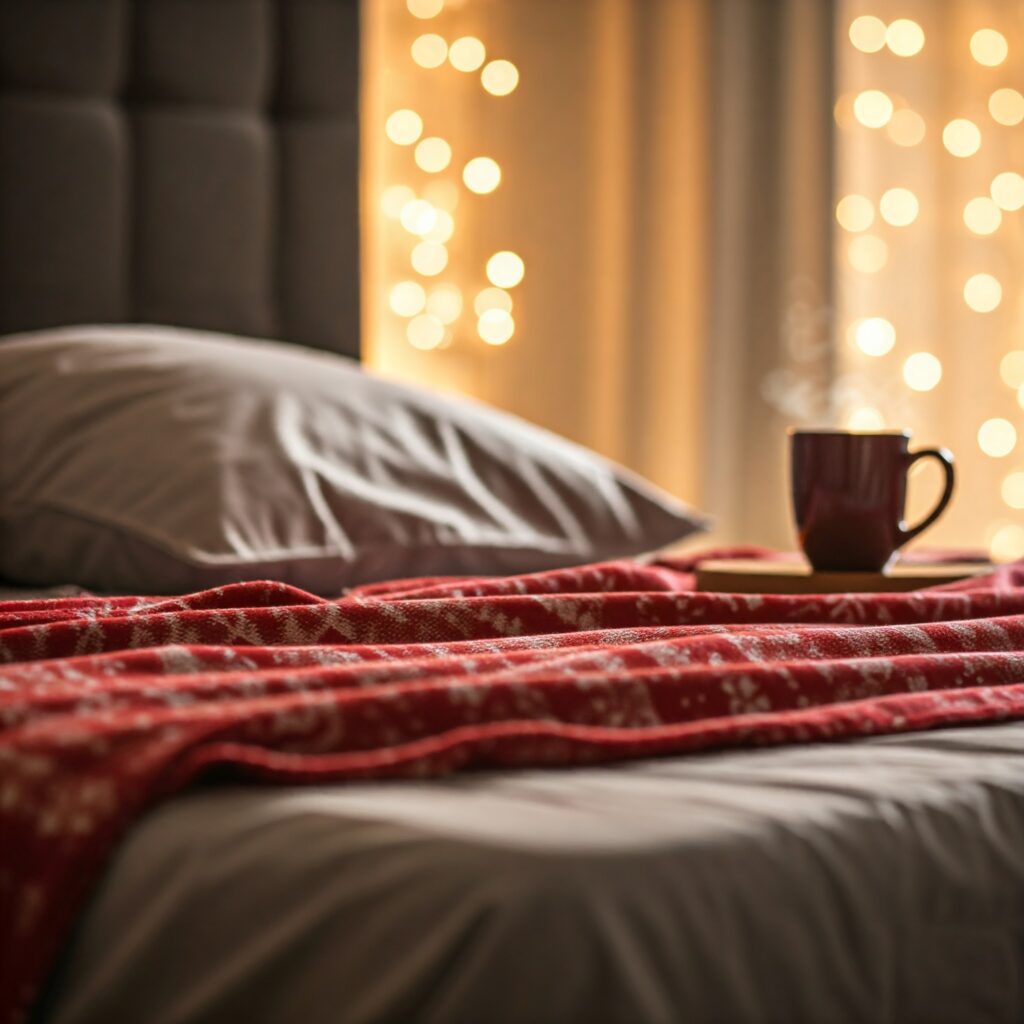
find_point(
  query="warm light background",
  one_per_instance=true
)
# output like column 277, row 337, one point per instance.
column 670, row 174
column 913, row 275
column 601, row 194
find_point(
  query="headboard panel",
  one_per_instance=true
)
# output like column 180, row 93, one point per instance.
column 187, row 162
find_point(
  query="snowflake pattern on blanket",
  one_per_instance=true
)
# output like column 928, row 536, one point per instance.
column 109, row 705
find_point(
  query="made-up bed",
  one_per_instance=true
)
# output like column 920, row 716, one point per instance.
column 334, row 797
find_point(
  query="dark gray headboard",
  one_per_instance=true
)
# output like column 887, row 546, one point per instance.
column 186, row 162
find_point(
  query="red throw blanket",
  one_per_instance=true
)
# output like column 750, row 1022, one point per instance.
column 110, row 705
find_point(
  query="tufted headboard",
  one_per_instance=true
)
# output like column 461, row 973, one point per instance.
column 185, row 162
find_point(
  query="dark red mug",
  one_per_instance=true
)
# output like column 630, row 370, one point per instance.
column 849, row 491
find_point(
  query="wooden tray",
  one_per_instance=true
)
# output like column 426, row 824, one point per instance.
column 754, row 576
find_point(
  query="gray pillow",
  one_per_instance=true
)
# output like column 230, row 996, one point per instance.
column 158, row 460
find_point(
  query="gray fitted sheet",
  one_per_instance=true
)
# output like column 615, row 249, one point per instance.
column 873, row 881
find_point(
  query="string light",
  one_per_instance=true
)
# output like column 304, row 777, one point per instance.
column 1012, row 490
column 467, row 54
column 407, row 298
column 418, row 217
column 1007, row 190
column 907, row 127
column 997, row 437
column 424, row 8
column 1011, row 368
column 433, row 154
column 873, row 108
column 922, row 371
column 481, row 175
column 1007, row 543
column 868, row 253
column 867, row 33
column 404, row 127
column 961, row 137
column 429, row 51
column 429, row 258
column 495, row 326
column 866, row 419
column 425, row 332
column 899, row 207
column 430, row 215
column 500, row 77
column 445, row 302
column 1006, row 107
column 904, row 37
column 843, row 111
column 394, row 198
column 983, row 293
column 505, row 269
column 492, row 298
column 988, row 47
column 982, row 215
column 875, row 336
column 855, row 213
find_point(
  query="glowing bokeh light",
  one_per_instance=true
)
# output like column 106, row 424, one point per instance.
column 429, row 258
column 1006, row 107
column 394, row 198
column 868, row 253
column 983, row 293
column 404, row 127
column 866, row 418
column 988, row 47
column 855, row 213
column 500, row 77
column 982, row 215
column 997, row 437
column 495, row 326
column 873, row 108
column 433, row 154
column 424, row 8
column 1012, row 490
column 904, row 37
column 467, row 53
column 445, row 302
column 907, row 127
column 505, row 269
column 875, row 336
column 418, row 217
column 1007, row 190
column 492, row 298
column 867, row 33
column 1011, row 368
column 443, row 229
column 898, row 207
column 961, row 137
column 922, row 371
column 429, row 51
column 843, row 111
column 425, row 332
column 482, row 175
column 1007, row 544
column 407, row 298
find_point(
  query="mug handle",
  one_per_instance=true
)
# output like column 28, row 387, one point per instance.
column 945, row 458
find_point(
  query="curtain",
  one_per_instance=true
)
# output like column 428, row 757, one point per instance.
column 770, row 349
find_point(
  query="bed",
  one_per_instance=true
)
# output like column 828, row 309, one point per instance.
column 196, row 165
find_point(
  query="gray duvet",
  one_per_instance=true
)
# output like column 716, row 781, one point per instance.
column 871, row 881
